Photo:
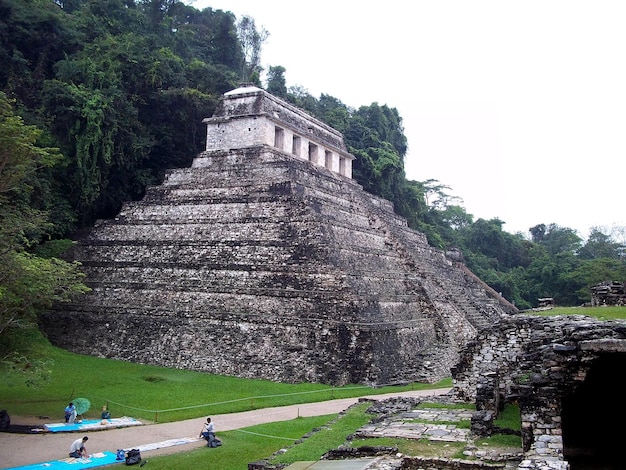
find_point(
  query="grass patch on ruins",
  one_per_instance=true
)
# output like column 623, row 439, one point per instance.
column 152, row 393
column 461, row 424
column 601, row 313
column 414, row 447
column 330, row 436
column 500, row 440
column 509, row 417
column 451, row 406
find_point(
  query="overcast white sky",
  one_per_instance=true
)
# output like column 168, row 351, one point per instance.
column 518, row 107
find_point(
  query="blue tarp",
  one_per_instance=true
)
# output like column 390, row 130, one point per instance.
column 96, row 460
column 92, row 425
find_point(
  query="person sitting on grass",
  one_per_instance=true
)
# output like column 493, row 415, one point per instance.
column 208, row 430
column 78, row 449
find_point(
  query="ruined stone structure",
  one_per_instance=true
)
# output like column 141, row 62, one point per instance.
column 264, row 259
column 565, row 373
column 608, row 293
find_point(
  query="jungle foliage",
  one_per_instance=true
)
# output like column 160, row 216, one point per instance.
column 101, row 97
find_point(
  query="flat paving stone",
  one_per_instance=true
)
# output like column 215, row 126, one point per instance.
column 352, row 464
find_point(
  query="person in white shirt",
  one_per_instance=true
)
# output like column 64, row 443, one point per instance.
column 208, row 429
column 208, row 433
column 78, row 449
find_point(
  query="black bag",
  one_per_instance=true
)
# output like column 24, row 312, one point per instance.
column 133, row 457
column 214, row 442
column 5, row 421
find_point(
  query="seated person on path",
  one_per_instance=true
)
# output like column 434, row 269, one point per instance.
column 208, row 430
column 78, row 449
column 70, row 413
column 105, row 413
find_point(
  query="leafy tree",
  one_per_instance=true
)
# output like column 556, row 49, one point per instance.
column 251, row 40
column 546, row 276
column 211, row 37
column 558, row 239
column 436, row 195
column 333, row 112
column 488, row 238
column 593, row 271
column 28, row 284
column 513, row 287
column 387, row 124
column 538, row 232
column 300, row 97
column 34, row 35
column 371, row 125
column 69, row 5
column 600, row 245
column 414, row 204
column 379, row 166
column 276, row 83
column 124, row 116
column 455, row 217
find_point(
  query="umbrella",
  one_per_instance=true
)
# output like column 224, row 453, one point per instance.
column 82, row 405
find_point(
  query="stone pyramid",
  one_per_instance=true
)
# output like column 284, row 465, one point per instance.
column 264, row 259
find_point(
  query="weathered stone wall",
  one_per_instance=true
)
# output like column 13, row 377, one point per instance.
column 538, row 362
column 257, row 264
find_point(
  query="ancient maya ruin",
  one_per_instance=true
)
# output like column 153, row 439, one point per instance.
column 267, row 250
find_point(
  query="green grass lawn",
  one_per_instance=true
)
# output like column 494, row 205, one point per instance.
column 242, row 446
column 157, row 393
column 161, row 394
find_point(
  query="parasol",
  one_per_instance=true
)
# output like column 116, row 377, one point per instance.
column 82, row 405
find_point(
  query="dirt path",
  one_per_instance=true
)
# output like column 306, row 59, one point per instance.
column 26, row 449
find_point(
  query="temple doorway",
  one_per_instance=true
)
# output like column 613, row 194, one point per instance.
column 592, row 414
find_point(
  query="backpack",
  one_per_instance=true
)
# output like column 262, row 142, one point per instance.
column 214, row 442
column 5, row 421
column 133, row 457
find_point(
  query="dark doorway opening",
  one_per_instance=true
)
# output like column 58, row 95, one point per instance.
column 590, row 415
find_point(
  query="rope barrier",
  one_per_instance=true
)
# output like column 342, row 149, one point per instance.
column 267, row 435
column 252, row 398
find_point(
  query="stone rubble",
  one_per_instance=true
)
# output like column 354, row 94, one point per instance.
column 395, row 422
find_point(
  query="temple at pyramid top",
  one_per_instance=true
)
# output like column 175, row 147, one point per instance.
column 249, row 117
